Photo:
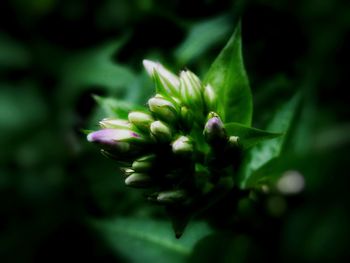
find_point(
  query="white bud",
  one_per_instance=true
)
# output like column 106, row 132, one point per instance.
column 111, row 123
column 161, row 131
column 182, row 146
column 138, row 180
column 233, row 140
column 163, row 108
column 140, row 119
column 171, row 197
column 169, row 80
column 143, row 164
column 210, row 98
column 191, row 89
column 127, row 171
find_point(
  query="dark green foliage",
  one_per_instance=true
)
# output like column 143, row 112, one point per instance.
column 60, row 200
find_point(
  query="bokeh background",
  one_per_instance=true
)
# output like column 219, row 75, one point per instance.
column 54, row 187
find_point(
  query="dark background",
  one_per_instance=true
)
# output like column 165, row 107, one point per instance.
column 55, row 53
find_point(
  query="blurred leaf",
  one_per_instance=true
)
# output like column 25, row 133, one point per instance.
column 248, row 136
column 201, row 37
column 229, row 79
column 146, row 240
column 12, row 53
column 226, row 248
column 261, row 154
column 34, row 7
column 20, row 107
column 95, row 67
column 115, row 108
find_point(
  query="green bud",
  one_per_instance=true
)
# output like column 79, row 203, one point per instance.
column 186, row 116
column 210, row 97
column 163, row 108
column 147, row 158
column 191, row 89
column 233, row 140
column 182, row 146
column 177, row 102
column 168, row 80
column 161, row 131
column 214, row 130
column 138, row 180
column 127, row 171
column 143, row 164
column 111, row 123
column 171, row 197
column 141, row 120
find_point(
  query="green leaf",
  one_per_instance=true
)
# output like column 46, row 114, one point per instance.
column 229, row 79
column 146, row 240
column 201, row 37
column 248, row 136
column 261, row 154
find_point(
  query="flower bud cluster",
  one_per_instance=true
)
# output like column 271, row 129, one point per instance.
column 178, row 148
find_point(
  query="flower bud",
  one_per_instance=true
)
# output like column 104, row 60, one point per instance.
column 161, row 131
column 141, row 120
column 233, row 140
column 138, row 180
column 191, row 89
column 163, row 108
column 127, row 171
column 171, row 197
column 111, row 123
column 112, row 136
column 214, row 130
column 210, row 98
column 143, row 164
column 168, row 80
column 117, row 142
column 186, row 116
column 182, row 146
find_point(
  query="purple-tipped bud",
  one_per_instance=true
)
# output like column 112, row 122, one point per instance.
column 161, row 131
column 110, row 136
column 182, row 146
column 139, row 180
column 141, row 120
column 163, row 108
column 115, row 140
column 214, row 130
